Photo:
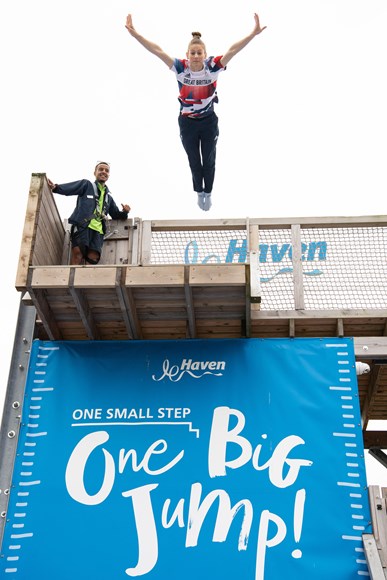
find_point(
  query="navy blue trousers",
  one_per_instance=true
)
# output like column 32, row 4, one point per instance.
column 199, row 138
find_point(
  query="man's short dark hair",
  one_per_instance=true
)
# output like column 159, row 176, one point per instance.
column 102, row 163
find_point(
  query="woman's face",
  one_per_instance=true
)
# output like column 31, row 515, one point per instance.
column 196, row 55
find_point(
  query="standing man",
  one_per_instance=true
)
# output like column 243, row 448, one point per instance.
column 87, row 221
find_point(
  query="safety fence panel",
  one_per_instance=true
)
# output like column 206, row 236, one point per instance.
column 343, row 267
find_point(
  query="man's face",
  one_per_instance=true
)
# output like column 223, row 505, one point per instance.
column 101, row 172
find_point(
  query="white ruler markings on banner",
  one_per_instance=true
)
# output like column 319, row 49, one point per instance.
column 19, row 515
column 346, row 405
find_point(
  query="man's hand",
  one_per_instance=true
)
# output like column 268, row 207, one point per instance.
column 50, row 184
column 125, row 207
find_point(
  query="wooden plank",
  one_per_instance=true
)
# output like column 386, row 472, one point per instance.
column 45, row 314
column 307, row 314
column 378, row 506
column 375, row 439
column 369, row 401
column 212, row 275
column 136, row 242
column 122, row 252
column 132, row 313
column 298, row 275
column 340, row 327
column 210, row 323
column 271, row 223
column 198, row 225
column 83, row 308
column 94, row 276
column 254, row 278
column 108, row 254
column 146, row 243
column 373, row 558
column 50, row 229
column 50, row 277
column 372, row 347
column 66, row 250
column 29, row 231
column 124, row 304
column 154, row 276
column 248, row 290
column 189, row 304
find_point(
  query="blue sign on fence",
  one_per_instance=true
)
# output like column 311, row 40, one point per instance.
column 166, row 460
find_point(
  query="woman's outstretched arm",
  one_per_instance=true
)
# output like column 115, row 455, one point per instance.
column 151, row 46
column 237, row 47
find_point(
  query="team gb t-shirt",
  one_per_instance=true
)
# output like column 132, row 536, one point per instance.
column 197, row 89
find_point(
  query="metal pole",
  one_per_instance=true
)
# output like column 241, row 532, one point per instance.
column 13, row 405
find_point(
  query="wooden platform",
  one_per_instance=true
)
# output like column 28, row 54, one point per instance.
column 129, row 297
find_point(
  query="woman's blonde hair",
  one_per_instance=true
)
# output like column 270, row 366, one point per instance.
column 196, row 39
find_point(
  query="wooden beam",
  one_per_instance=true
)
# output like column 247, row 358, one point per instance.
column 375, row 439
column 124, row 304
column 83, row 308
column 309, row 314
column 371, row 347
column 50, row 277
column 371, row 394
column 271, row 223
column 340, row 327
column 254, row 278
column 146, row 243
column 132, row 312
column 94, row 276
column 154, row 276
column 136, row 241
column 248, row 303
column 378, row 505
column 66, row 248
column 298, row 275
column 216, row 274
column 372, row 555
column 29, row 231
column 45, row 314
column 189, row 304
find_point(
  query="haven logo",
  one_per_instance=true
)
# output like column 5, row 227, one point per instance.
column 195, row 368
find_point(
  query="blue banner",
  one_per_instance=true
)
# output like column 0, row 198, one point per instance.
column 189, row 459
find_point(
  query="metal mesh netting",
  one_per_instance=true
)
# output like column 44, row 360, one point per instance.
column 354, row 272
column 343, row 267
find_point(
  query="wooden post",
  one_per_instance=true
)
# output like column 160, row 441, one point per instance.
column 146, row 243
column 29, row 230
column 298, row 282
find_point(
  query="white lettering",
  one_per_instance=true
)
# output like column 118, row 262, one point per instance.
column 76, row 467
column 148, row 547
column 221, row 436
column 225, row 516
column 264, row 542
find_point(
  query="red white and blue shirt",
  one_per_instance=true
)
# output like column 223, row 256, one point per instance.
column 197, row 89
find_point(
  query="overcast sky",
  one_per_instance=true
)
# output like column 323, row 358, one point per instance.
column 302, row 112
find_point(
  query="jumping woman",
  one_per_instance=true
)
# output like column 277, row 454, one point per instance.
column 197, row 77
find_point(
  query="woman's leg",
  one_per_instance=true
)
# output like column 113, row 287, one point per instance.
column 208, row 140
column 189, row 134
